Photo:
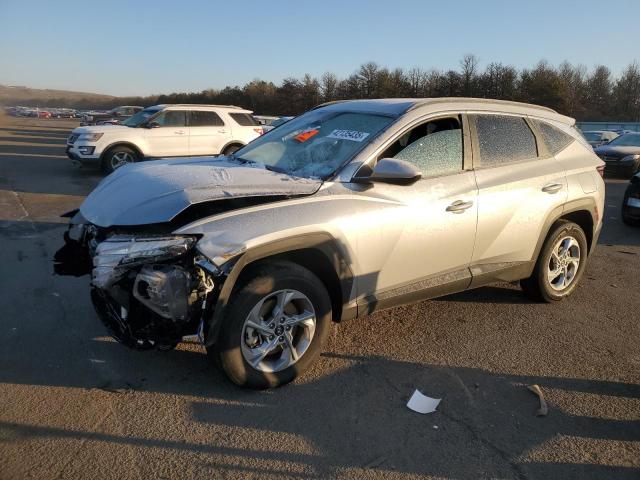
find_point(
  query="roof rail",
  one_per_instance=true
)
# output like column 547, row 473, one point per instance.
column 203, row 105
column 425, row 101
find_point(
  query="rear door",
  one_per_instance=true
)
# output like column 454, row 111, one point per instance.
column 168, row 135
column 519, row 184
column 208, row 133
column 245, row 128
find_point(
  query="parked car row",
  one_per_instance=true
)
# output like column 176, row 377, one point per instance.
column 352, row 207
column 20, row 111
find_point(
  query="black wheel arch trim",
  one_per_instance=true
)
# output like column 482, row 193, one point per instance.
column 122, row 144
column 232, row 142
column 321, row 241
column 562, row 211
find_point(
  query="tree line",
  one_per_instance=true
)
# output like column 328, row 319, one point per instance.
column 587, row 95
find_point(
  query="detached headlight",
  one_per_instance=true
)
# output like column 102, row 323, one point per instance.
column 118, row 252
column 90, row 137
column 630, row 158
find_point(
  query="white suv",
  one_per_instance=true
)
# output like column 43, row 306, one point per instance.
column 165, row 131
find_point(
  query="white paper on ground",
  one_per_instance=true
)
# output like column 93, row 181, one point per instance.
column 421, row 403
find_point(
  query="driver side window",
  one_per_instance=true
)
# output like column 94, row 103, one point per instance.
column 171, row 118
column 435, row 147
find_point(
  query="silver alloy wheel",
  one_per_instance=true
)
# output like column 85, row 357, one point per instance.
column 278, row 331
column 564, row 263
column 120, row 158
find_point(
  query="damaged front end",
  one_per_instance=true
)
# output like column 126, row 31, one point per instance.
column 150, row 291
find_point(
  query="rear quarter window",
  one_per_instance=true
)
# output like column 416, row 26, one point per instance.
column 244, row 119
column 555, row 139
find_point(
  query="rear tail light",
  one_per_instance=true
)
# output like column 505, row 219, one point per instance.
column 259, row 131
column 600, row 169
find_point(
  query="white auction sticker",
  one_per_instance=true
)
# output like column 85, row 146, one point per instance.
column 352, row 135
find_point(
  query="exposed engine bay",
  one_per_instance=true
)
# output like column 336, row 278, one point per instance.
column 149, row 291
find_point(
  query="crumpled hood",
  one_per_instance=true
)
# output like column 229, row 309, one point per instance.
column 618, row 152
column 156, row 191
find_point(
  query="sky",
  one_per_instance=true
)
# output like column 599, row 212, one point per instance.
column 143, row 47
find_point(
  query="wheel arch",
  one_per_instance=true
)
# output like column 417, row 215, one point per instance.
column 320, row 253
column 583, row 212
column 231, row 143
column 130, row 145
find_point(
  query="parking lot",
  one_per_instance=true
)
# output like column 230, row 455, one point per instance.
column 75, row 404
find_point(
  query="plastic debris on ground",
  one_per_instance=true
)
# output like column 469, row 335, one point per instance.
column 421, row 403
column 544, row 409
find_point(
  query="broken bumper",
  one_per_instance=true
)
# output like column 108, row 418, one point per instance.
column 149, row 292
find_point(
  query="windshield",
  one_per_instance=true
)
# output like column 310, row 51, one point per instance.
column 592, row 136
column 279, row 121
column 315, row 144
column 628, row 140
column 140, row 117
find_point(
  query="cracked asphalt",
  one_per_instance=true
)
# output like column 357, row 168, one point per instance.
column 74, row 404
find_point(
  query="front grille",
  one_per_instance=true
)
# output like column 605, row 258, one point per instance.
column 72, row 139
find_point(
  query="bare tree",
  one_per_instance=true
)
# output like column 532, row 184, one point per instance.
column 627, row 94
column 469, row 74
column 368, row 77
column 329, row 87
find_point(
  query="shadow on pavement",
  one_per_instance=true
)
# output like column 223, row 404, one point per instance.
column 485, row 423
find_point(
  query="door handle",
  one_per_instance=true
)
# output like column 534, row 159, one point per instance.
column 459, row 206
column 179, row 132
column 222, row 131
column 552, row 188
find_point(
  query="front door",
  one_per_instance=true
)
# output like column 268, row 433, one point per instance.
column 425, row 238
column 168, row 135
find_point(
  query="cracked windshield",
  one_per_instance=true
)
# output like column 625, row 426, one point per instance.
column 315, row 144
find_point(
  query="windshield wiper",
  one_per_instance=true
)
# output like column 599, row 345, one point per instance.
column 245, row 161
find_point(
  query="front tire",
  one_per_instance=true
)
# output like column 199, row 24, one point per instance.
column 231, row 149
column 117, row 157
column 560, row 264
column 274, row 326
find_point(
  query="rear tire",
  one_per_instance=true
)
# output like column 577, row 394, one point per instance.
column 560, row 264
column 117, row 157
column 304, row 300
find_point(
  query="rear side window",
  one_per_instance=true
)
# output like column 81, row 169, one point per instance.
column 244, row 119
column 555, row 139
column 201, row 118
column 504, row 139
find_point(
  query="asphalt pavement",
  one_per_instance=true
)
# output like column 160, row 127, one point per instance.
column 75, row 404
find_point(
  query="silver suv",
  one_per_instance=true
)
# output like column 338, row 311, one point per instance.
column 353, row 207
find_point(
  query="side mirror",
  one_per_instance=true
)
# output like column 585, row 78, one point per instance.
column 392, row 170
column 151, row 125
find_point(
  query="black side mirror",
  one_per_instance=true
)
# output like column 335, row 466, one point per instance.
column 151, row 125
column 392, row 170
